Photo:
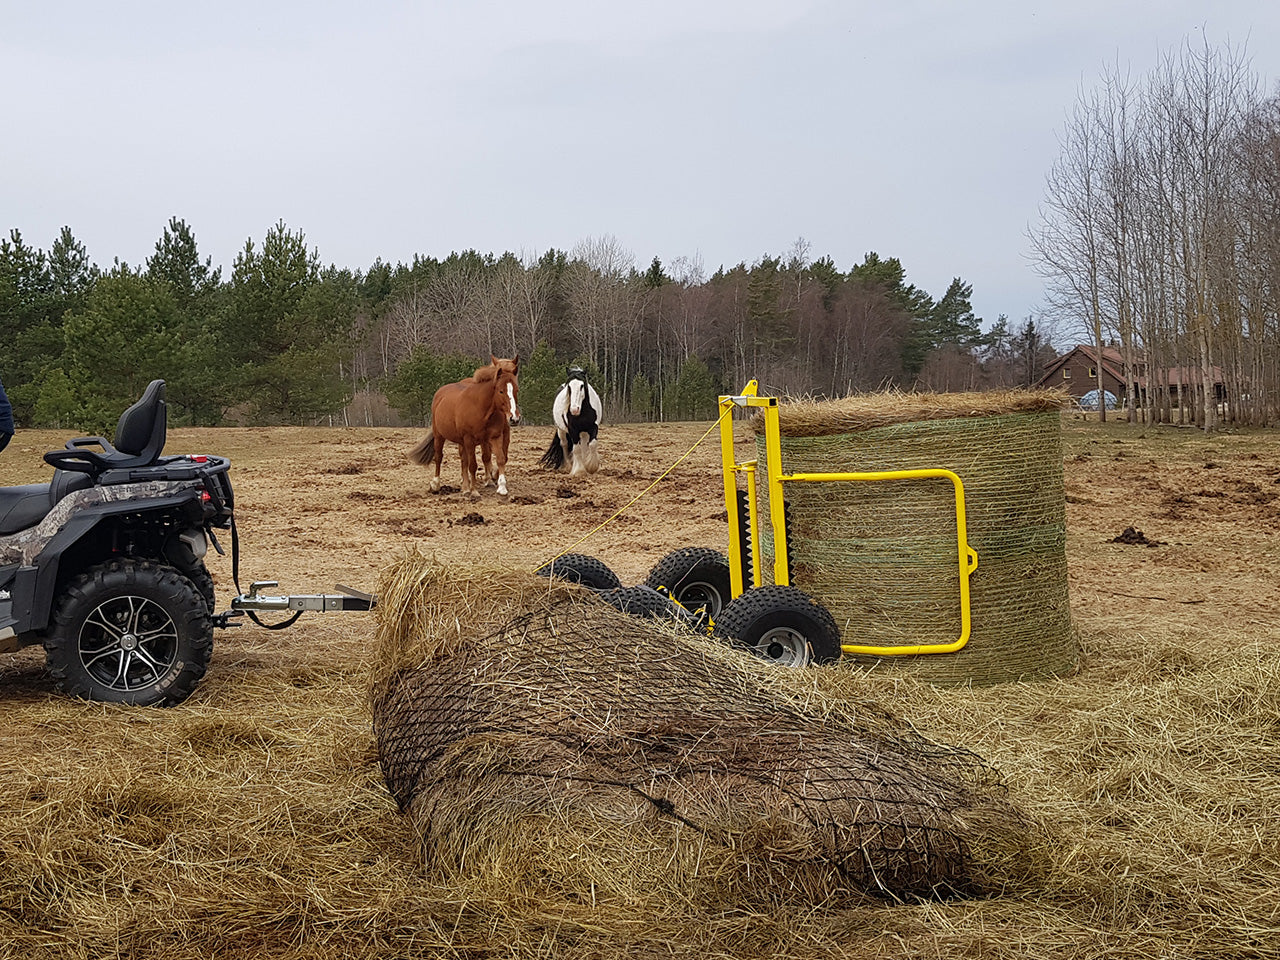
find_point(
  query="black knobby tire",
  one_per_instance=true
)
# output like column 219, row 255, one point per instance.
column 580, row 568
column 783, row 625
column 202, row 579
column 643, row 601
column 698, row 577
column 130, row 631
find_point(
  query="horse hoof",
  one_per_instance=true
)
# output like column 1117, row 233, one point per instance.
column 435, row 486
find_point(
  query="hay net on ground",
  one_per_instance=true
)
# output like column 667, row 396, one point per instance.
column 534, row 734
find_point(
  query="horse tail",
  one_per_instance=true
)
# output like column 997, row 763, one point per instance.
column 553, row 459
column 423, row 451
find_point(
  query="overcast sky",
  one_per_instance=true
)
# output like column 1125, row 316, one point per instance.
column 720, row 130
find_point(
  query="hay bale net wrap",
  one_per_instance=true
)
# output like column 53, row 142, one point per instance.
column 882, row 555
column 540, row 739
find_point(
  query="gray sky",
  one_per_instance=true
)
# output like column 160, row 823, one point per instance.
column 720, row 130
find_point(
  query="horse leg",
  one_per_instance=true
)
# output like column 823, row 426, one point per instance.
column 486, row 458
column 577, row 451
column 467, row 449
column 593, row 449
column 437, row 457
column 501, row 457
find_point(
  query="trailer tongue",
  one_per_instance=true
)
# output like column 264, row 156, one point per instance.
column 255, row 602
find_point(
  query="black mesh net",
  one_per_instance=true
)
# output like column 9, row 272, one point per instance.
column 528, row 727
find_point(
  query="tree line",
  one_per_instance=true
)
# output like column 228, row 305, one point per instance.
column 1160, row 233
column 285, row 340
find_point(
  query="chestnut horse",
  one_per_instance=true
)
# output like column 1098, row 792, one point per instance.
column 473, row 412
column 510, row 365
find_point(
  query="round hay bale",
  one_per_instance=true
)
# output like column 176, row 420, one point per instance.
column 541, row 740
column 882, row 555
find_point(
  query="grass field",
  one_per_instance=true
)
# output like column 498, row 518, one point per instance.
column 252, row 820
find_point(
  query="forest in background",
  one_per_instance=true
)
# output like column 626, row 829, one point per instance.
column 285, row 340
column 1158, row 236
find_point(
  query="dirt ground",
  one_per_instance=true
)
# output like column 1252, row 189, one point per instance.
column 318, row 507
column 252, row 820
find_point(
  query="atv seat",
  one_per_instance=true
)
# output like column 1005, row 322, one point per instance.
column 139, row 440
column 25, row 506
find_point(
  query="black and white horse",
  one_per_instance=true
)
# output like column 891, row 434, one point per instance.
column 577, row 417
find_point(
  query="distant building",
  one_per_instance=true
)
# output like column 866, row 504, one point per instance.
column 1076, row 372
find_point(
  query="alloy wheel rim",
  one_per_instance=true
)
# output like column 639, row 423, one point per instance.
column 128, row 642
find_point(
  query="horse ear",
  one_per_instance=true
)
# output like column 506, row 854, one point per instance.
column 493, row 361
column 516, row 363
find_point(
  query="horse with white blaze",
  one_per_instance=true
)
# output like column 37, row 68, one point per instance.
column 577, row 415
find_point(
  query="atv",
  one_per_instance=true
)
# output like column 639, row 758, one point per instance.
column 104, row 565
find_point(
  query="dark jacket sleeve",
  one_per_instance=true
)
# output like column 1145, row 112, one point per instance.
column 6, row 412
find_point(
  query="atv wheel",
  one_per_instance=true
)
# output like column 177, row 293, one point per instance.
column 783, row 625
column 202, row 579
column 697, row 577
column 579, row 568
column 130, row 632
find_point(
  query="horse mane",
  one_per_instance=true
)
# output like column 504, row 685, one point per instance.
column 496, row 366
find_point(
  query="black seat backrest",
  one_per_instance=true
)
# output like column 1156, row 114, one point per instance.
column 140, row 431
column 139, row 440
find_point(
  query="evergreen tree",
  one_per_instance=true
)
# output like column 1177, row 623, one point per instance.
column 125, row 337
column 71, row 273
column 56, row 406
column 411, row 388
column 889, row 277
column 198, row 388
column 655, row 276
column 31, row 319
column 288, row 328
column 951, row 321
column 541, row 377
column 177, row 261
column 696, row 392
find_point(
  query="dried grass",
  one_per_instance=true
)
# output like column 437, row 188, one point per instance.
column 253, row 821
column 802, row 417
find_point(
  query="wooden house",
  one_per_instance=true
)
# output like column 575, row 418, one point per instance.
column 1076, row 371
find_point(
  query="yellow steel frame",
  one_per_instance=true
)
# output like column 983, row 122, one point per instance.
column 967, row 557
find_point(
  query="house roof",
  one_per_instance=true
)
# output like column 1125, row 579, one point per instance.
column 1111, row 363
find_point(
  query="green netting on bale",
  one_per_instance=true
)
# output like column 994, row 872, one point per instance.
column 883, row 555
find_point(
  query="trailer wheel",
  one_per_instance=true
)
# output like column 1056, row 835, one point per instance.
column 783, row 625
column 644, row 601
column 580, row 568
column 698, row 577
column 130, row 631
